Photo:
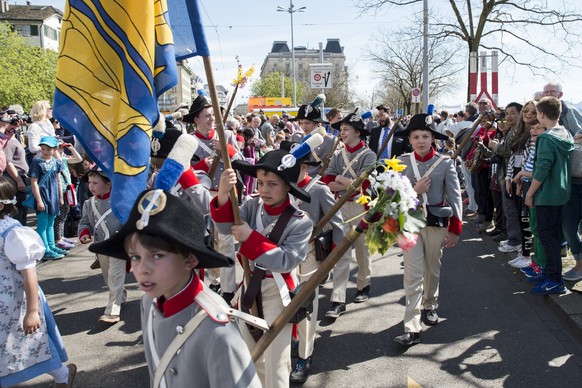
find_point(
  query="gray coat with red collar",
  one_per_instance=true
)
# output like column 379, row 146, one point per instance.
column 215, row 355
column 282, row 257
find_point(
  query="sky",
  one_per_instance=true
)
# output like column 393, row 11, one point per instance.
column 248, row 30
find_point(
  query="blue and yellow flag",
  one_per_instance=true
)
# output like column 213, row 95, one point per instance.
column 189, row 38
column 115, row 59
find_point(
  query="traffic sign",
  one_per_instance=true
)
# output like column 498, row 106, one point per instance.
column 416, row 95
column 321, row 76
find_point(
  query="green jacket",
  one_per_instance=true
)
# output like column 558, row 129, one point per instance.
column 552, row 167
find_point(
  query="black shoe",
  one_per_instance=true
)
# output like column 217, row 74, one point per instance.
column 362, row 295
column 493, row 232
column 429, row 317
column 408, row 339
column 215, row 288
column 337, row 309
column 227, row 296
column 301, row 371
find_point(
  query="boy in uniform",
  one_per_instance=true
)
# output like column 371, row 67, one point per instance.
column 188, row 336
column 435, row 179
column 274, row 237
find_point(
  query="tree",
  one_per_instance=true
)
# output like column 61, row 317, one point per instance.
column 28, row 73
column 398, row 57
column 498, row 24
column 270, row 86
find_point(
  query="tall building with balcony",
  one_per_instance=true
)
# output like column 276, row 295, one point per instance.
column 279, row 59
column 40, row 25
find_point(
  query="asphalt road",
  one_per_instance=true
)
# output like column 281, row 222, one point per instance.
column 492, row 333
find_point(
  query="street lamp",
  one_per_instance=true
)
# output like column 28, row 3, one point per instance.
column 291, row 11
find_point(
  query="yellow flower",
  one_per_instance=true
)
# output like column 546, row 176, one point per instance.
column 364, row 199
column 395, row 164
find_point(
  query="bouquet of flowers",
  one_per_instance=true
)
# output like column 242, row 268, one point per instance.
column 397, row 215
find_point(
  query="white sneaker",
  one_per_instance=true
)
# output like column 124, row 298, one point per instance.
column 503, row 242
column 509, row 248
column 522, row 262
column 515, row 260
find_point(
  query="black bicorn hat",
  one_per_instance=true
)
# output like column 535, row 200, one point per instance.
column 166, row 143
column 271, row 162
column 159, row 213
column 423, row 122
column 309, row 113
column 356, row 121
column 198, row 104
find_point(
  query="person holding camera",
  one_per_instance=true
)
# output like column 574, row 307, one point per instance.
column 16, row 165
column 41, row 126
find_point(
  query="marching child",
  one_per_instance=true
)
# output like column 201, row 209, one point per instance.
column 344, row 167
column 48, row 194
column 98, row 224
column 30, row 342
column 274, row 237
column 322, row 200
column 188, row 337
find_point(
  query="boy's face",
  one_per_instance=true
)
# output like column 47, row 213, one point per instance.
column 307, row 125
column 158, row 272
column 98, row 185
column 536, row 130
column 47, row 152
column 272, row 188
column 349, row 134
column 421, row 141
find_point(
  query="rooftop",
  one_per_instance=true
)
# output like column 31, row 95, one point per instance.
column 28, row 12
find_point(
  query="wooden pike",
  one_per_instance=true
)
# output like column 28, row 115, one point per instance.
column 309, row 286
column 467, row 137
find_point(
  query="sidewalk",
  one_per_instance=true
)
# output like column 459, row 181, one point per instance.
column 568, row 307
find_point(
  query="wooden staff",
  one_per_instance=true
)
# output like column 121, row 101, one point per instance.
column 216, row 159
column 467, row 137
column 388, row 137
column 328, row 158
column 225, row 157
column 309, row 286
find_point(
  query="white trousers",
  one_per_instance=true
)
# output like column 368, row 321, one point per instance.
column 422, row 269
column 274, row 366
column 341, row 271
column 306, row 328
column 113, row 271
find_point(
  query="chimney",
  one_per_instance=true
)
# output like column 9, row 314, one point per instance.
column 4, row 7
column 28, row 3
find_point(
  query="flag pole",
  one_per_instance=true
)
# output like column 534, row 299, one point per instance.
column 224, row 152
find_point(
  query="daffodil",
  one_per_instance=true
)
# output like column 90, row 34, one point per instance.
column 363, row 200
column 394, row 164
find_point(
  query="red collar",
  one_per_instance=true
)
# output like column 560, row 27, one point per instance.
column 304, row 182
column 182, row 299
column 104, row 196
column 277, row 210
column 357, row 147
column 428, row 156
column 209, row 137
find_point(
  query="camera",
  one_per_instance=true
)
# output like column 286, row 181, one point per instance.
column 15, row 119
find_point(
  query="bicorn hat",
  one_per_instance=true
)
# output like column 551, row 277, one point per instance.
column 356, row 121
column 159, row 213
column 199, row 103
column 271, row 162
column 423, row 122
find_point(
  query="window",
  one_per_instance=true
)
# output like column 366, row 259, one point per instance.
column 49, row 32
column 22, row 30
column 34, row 30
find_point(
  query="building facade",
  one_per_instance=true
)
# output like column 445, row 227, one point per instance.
column 279, row 59
column 40, row 25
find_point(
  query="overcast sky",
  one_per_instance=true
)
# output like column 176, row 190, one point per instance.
column 248, row 29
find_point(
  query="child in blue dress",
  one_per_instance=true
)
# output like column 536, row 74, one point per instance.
column 30, row 342
column 47, row 190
